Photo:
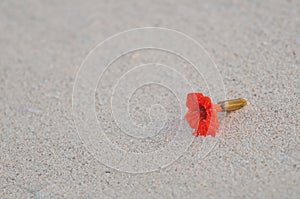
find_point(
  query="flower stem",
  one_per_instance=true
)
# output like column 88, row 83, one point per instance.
column 232, row 105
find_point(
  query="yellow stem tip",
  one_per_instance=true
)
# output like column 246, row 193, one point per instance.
column 232, row 105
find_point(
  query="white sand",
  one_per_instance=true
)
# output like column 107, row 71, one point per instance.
column 256, row 46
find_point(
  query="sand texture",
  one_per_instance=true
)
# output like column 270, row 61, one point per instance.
column 254, row 44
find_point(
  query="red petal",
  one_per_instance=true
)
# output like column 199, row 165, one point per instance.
column 205, row 102
column 193, row 118
column 192, row 101
column 204, row 127
column 214, row 124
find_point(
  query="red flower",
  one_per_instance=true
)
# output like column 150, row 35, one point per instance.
column 202, row 115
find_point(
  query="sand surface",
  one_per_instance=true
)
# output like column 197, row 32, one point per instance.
column 48, row 150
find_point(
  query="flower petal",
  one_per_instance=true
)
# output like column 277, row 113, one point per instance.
column 205, row 102
column 192, row 101
column 193, row 118
column 214, row 124
column 201, row 115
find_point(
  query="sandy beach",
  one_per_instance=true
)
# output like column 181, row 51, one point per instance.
column 85, row 119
